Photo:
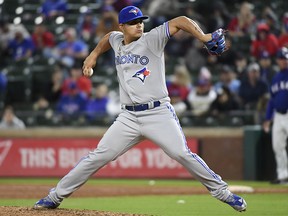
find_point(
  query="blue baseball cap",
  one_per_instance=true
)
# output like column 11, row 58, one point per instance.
column 130, row 13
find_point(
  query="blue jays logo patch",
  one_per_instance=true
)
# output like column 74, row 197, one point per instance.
column 134, row 10
column 142, row 74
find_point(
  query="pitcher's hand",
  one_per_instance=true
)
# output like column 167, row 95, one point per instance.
column 88, row 64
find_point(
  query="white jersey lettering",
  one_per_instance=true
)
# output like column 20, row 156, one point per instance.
column 131, row 58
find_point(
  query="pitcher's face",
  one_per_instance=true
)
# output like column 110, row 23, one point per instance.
column 133, row 29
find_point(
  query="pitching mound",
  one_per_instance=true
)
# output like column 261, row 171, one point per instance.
column 24, row 211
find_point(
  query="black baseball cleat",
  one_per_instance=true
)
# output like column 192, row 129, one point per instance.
column 45, row 203
column 280, row 181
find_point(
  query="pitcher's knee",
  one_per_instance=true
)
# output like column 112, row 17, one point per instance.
column 102, row 157
column 182, row 155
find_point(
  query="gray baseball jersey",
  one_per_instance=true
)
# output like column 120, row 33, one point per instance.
column 141, row 73
column 140, row 66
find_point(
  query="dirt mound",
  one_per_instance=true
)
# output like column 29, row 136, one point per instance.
column 24, row 211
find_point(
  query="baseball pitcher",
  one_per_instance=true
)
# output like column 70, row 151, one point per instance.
column 146, row 109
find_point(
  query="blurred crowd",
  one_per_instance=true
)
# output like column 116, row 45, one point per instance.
column 200, row 85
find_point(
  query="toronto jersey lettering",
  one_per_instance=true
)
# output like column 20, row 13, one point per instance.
column 140, row 66
column 131, row 58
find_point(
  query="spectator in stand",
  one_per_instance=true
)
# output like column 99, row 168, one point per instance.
column 252, row 90
column 83, row 83
column 270, row 18
column 43, row 109
column 266, row 68
column 201, row 97
column 244, row 23
column 72, row 104
column 196, row 57
column 7, row 34
column 72, row 50
column 107, row 23
column 41, row 104
column 178, row 45
column 265, row 41
column 8, row 31
column 86, row 25
column 20, row 48
column 10, row 120
column 53, row 8
column 178, row 88
column 54, row 89
column 224, row 103
column 283, row 38
column 218, row 17
column 240, row 64
column 228, row 79
column 96, row 108
column 160, row 11
column 43, row 39
column 204, row 74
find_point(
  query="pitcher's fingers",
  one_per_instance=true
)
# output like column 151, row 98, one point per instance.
column 86, row 71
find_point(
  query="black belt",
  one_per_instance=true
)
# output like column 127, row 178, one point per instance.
column 282, row 111
column 142, row 107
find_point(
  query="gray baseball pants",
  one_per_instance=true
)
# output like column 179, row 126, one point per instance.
column 161, row 126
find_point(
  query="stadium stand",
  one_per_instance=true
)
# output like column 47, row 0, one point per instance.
column 27, row 79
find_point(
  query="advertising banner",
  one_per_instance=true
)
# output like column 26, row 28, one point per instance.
column 54, row 157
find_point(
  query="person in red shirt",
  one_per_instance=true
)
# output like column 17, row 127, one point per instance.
column 283, row 38
column 42, row 38
column 265, row 41
column 83, row 84
column 179, row 87
column 244, row 22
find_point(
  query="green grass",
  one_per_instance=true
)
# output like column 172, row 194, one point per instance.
column 258, row 204
column 275, row 204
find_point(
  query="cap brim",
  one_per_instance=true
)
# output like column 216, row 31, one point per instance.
column 140, row 17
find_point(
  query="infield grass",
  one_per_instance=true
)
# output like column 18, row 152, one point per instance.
column 272, row 204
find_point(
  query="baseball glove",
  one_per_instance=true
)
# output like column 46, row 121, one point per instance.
column 217, row 45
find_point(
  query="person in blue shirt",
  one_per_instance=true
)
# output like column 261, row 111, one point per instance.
column 71, row 106
column 252, row 89
column 86, row 26
column 52, row 8
column 20, row 48
column 72, row 50
column 277, row 109
column 96, row 109
column 228, row 79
